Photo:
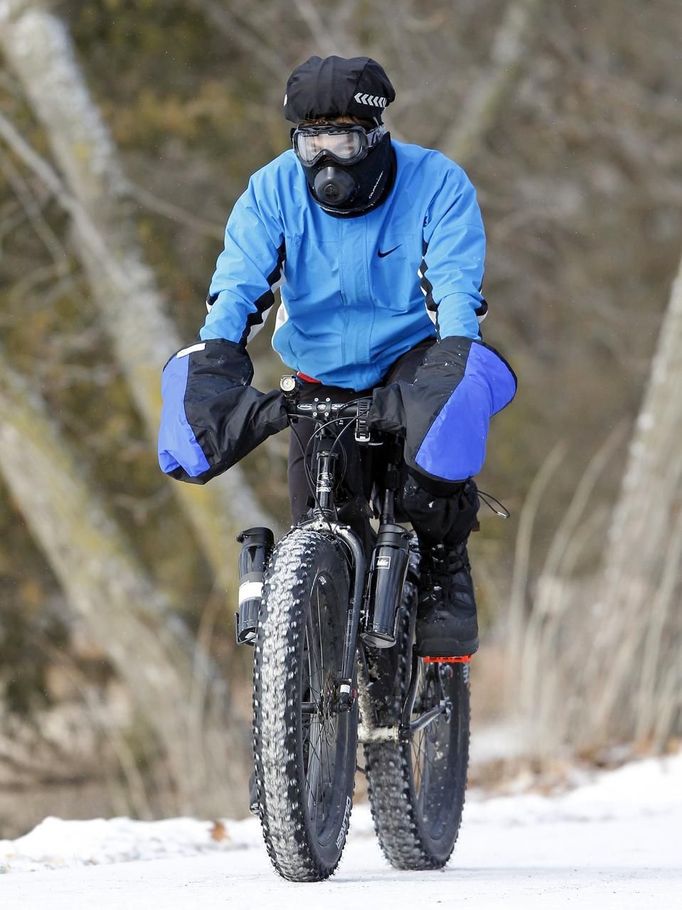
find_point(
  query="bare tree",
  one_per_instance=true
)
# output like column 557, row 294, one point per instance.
column 38, row 48
column 169, row 679
column 237, row 25
column 638, row 627
column 599, row 653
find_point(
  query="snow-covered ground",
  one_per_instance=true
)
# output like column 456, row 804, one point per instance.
column 612, row 843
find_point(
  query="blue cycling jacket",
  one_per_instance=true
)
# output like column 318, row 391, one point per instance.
column 357, row 292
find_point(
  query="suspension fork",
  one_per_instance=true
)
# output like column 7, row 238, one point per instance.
column 323, row 521
column 346, row 693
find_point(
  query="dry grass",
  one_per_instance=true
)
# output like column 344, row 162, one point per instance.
column 585, row 680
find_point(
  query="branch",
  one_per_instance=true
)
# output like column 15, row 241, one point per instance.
column 33, row 209
column 124, row 288
column 524, row 537
column 226, row 21
column 105, row 583
column 89, row 234
column 169, row 210
column 318, row 32
column 486, row 98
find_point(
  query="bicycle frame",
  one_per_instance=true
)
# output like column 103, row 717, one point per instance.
column 365, row 593
column 377, row 579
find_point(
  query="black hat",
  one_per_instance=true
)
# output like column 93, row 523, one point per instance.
column 336, row 86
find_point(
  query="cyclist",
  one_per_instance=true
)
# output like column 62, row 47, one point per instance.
column 379, row 247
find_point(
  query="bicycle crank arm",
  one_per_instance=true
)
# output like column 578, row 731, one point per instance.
column 443, row 708
column 411, row 695
column 408, row 726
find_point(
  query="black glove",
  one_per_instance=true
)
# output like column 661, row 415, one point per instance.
column 211, row 416
column 445, row 413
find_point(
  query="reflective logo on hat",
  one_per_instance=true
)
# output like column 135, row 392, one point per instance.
column 371, row 100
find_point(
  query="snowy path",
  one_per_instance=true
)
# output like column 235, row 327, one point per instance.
column 613, row 844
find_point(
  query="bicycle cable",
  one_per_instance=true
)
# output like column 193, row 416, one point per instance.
column 304, row 457
column 488, row 499
column 318, row 433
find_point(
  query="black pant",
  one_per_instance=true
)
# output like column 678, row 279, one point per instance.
column 439, row 513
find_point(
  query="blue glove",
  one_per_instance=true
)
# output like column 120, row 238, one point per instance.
column 445, row 413
column 211, row 416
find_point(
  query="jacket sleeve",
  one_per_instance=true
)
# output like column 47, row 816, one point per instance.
column 451, row 271
column 249, row 268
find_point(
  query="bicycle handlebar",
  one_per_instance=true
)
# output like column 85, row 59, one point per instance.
column 326, row 410
column 320, row 407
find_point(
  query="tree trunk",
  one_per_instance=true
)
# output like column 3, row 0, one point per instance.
column 38, row 49
column 638, row 627
column 166, row 674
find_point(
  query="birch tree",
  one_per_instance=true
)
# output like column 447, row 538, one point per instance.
column 39, row 51
column 599, row 655
column 638, row 617
column 171, row 683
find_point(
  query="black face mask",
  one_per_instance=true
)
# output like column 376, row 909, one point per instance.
column 355, row 188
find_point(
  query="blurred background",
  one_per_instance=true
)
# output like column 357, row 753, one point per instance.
column 127, row 130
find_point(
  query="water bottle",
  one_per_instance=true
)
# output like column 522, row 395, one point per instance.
column 386, row 579
column 257, row 545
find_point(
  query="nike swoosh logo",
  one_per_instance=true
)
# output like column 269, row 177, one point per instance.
column 382, row 254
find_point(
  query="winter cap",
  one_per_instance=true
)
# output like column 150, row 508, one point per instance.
column 336, row 86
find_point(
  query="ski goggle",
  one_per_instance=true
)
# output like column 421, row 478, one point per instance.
column 344, row 144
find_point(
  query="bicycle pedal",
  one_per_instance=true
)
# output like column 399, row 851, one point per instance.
column 448, row 660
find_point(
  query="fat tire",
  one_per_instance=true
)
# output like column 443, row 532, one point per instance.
column 408, row 837
column 301, row 561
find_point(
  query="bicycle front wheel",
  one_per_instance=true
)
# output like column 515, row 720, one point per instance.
column 304, row 745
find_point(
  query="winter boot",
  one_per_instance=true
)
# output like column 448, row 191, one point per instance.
column 446, row 616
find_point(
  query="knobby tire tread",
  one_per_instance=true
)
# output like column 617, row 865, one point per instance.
column 290, row 574
column 390, row 776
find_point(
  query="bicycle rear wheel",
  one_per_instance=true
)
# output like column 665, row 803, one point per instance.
column 304, row 746
column 417, row 785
